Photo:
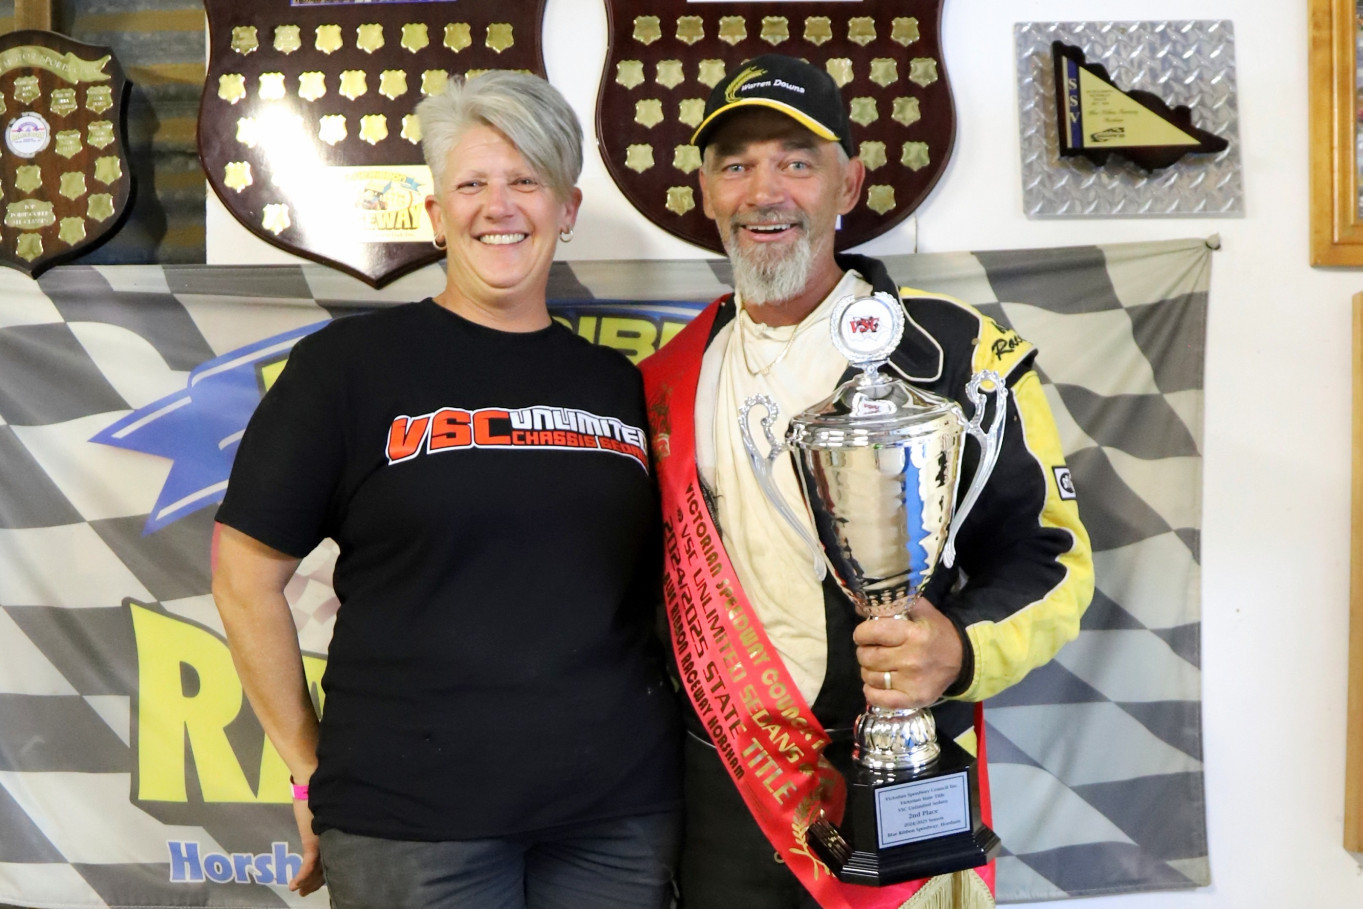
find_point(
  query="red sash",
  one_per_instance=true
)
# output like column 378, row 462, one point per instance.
column 767, row 736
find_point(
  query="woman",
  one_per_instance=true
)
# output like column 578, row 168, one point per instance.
column 497, row 728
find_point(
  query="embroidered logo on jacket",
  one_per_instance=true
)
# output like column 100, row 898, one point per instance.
column 564, row 428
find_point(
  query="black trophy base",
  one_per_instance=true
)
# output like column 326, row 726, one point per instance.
column 903, row 825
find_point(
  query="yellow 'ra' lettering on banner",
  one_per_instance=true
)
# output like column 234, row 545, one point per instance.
column 188, row 691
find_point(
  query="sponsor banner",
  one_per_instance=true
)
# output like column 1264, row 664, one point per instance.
column 132, row 771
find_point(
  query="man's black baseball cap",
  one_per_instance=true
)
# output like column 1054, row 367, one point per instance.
column 797, row 89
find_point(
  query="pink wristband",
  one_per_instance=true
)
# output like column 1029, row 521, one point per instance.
column 300, row 793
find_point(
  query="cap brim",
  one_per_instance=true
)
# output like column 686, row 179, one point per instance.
column 799, row 116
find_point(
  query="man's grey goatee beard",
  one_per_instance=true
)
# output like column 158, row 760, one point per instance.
column 774, row 280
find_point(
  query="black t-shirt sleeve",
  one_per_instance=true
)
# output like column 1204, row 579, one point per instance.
column 290, row 459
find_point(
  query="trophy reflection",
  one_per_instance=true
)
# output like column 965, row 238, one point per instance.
column 879, row 464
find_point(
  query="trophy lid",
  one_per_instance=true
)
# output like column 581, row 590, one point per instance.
column 874, row 407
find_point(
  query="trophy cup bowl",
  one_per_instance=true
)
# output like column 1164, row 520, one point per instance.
column 879, row 463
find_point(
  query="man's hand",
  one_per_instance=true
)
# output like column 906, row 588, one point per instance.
column 922, row 653
column 309, row 876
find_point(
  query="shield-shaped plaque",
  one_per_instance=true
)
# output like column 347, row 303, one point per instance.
column 306, row 130
column 64, row 176
column 666, row 56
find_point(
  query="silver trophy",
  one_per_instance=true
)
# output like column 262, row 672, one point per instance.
column 879, row 463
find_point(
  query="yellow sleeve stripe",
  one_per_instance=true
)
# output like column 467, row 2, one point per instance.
column 1007, row 650
column 997, row 348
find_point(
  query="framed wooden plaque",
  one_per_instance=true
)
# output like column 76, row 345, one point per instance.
column 64, row 175
column 306, row 130
column 1333, row 85
column 665, row 56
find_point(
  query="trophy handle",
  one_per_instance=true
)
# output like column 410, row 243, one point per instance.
column 991, row 441
column 762, row 467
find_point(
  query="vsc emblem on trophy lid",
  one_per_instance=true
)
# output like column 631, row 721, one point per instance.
column 64, row 176
column 306, row 124
column 666, row 56
column 866, row 330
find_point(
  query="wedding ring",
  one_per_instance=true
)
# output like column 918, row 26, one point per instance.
column 889, row 683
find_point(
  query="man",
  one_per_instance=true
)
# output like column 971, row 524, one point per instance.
column 786, row 654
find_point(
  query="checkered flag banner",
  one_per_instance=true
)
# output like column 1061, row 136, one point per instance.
column 132, row 771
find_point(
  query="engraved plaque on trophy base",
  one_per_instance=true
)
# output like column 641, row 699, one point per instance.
column 901, row 826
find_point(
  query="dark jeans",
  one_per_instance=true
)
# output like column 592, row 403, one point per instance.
column 625, row 863
column 726, row 861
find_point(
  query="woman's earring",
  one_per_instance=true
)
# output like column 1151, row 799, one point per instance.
column 439, row 243
column 566, row 236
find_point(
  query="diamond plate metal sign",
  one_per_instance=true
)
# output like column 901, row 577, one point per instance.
column 1183, row 62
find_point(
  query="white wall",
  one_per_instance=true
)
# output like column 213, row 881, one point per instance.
column 1275, row 527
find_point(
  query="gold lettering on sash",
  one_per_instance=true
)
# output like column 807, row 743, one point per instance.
column 237, row 175
column 629, row 73
column 880, row 198
column 680, row 199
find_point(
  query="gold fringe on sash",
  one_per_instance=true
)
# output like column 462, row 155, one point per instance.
column 962, row 890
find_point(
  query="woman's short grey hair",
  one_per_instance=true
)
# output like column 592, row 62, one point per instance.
column 526, row 109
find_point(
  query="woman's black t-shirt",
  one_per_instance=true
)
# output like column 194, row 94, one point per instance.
column 492, row 669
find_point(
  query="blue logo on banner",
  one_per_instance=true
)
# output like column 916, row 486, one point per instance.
column 198, row 428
